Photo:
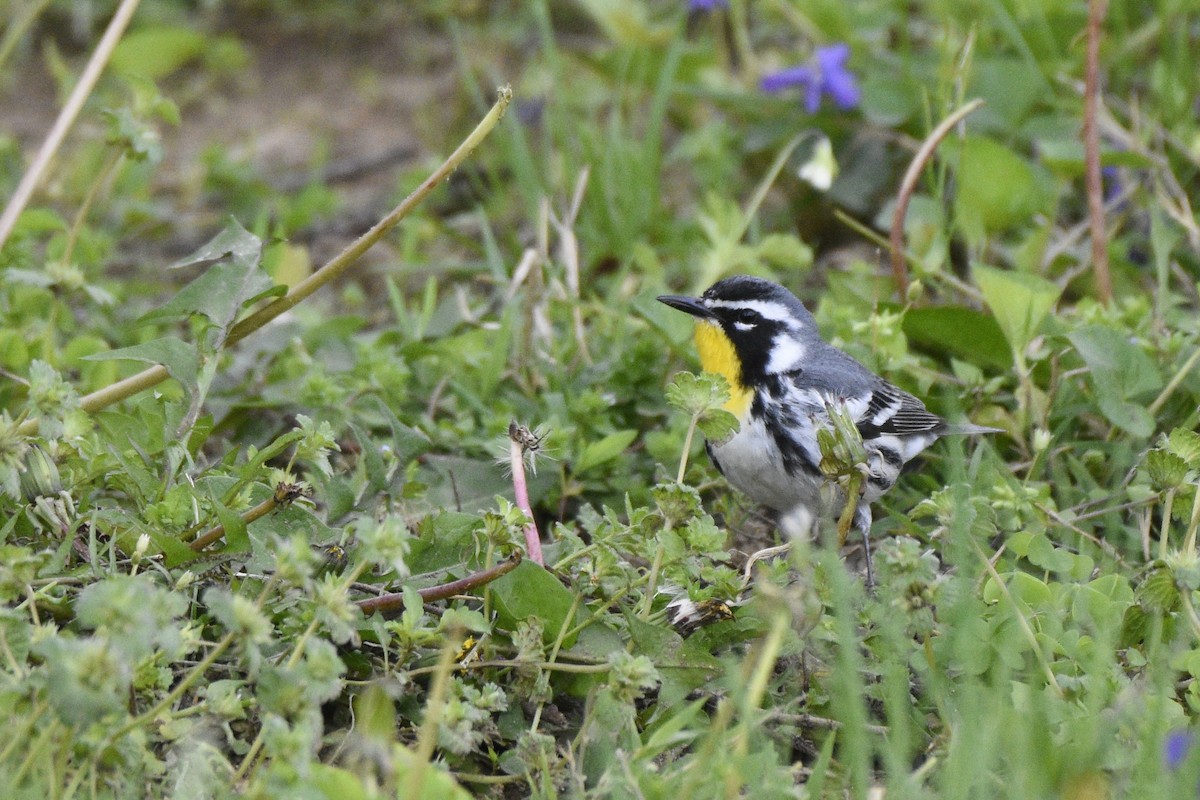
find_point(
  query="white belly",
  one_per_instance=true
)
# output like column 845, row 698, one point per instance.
column 751, row 461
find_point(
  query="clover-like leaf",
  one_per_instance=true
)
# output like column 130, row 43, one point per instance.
column 1167, row 470
column 1185, row 444
column 695, row 394
column 718, row 424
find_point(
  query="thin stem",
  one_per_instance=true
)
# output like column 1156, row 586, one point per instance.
column 17, row 27
column 652, row 582
column 66, row 118
column 764, row 186
column 181, row 687
column 427, row 735
column 88, row 200
column 351, row 254
column 687, row 447
column 908, row 186
column 156, row 374
column 393, row 602
column 1166, row 523
column 756, row 687
column 549, row 666
column 1022, row 623
column 1193, row 619
column 260, row 510
column 853, row 493
column 1093, row 181
column 1189, row 541
column 516, row 457
column 1173, row 384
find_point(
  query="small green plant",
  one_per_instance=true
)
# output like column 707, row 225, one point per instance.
column 255, row 538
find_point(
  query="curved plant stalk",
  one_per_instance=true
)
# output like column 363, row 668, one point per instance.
column 392, row 603
column 66, row 117
column 283, row 495
column 1093, row 181
column 155, row 375
column 909, row 184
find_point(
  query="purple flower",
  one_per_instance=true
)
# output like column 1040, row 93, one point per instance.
column 825, row 73
column 1175, row 748
column 707, row 5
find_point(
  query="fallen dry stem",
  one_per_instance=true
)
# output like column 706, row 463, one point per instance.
column 66, row 117
column 393, row 603
column 332, row 270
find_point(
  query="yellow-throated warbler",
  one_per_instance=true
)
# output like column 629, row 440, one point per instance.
column 784, row 380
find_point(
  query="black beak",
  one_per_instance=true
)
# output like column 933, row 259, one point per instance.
column 688, row 305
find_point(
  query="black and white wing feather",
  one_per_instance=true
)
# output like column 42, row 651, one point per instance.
column 894, row 412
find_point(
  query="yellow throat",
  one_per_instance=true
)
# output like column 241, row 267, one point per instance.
column 717, row 355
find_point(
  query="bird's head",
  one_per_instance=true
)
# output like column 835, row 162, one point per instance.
column 749, row 328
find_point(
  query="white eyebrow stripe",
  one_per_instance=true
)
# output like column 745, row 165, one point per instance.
column 768, row 309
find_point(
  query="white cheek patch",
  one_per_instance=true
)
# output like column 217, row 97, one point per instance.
column 786, row 354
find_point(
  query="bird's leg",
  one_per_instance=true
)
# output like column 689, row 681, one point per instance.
column 862, row 521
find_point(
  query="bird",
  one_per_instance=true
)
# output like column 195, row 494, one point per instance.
column 785, row 381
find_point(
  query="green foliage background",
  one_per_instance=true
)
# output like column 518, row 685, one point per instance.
column 1033, row 632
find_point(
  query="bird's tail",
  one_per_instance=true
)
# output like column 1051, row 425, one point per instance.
column 967, row 429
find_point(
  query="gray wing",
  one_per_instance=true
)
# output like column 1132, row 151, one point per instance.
column 895, row 412
column 883, row 409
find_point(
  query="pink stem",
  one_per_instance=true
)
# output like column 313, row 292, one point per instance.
column 533, row 542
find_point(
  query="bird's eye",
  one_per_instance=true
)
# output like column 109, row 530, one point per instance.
column 746, row 316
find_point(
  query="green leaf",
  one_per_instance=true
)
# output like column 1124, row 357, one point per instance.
column 624, row 21
column 1104, row 601
column 436, row 783
column 156, row 52
column 604, row 450
column 1023, row 587
column 139, row 140
column 1114, row 360
column 1135, row 626
column 1158, row 591
column 236, row 538
column 1185, row 444
column 695, row 394
column 531, row 591
column 718, row 424
column 468, row 484
column 375, row 715
column 1167, row 470
column 234, row 277
column 784, row 250
column 179, row 357
column 1121, row 373
column 1018, row 300
column 174, row 551
column 682, row 665
column 330, row 782
column 997, row 189
column 1042, row 553
column 1011, row 86
column 444, row 539
column 963, row 332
